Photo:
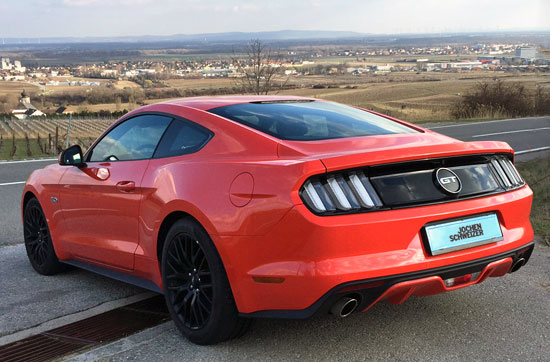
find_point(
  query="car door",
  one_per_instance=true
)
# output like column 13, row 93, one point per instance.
column 100, row 202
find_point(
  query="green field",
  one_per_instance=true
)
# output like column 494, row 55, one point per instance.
column 21, row 149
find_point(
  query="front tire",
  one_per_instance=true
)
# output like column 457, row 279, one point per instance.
column 196, row 289
column 38, row 240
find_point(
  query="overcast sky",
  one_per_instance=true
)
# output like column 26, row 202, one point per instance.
column 47, row 18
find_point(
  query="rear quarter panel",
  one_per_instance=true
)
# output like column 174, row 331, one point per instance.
column 199, row 184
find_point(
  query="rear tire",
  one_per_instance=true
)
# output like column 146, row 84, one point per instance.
column 196, row 289
column 38, row 240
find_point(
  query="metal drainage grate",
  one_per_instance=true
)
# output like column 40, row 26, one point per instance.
column 89, row 332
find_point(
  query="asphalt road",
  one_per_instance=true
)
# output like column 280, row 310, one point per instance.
column 12, row 179
column 502, row 319
column 529, row 137
column 30, row 299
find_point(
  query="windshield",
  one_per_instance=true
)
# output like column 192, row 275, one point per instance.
column 309, row 120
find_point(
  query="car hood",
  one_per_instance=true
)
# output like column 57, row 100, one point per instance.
column 371, row 150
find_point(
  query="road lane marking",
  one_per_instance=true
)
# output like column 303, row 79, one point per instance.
column 26, row 161
column 12, row 183
column 532, row 150
column 507, row 132
column 485, row 122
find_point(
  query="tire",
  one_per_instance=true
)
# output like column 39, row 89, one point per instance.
column 196, row 288
column 38, row 240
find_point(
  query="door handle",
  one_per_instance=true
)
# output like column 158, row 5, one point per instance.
column 126, row 186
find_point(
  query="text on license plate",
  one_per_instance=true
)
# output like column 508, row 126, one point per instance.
column 444, row 237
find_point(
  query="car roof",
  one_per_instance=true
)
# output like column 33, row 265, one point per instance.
column 206, row 103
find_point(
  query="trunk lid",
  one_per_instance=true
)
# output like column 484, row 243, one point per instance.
column 344, row 153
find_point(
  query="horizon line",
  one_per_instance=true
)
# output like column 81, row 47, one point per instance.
column 359, row 34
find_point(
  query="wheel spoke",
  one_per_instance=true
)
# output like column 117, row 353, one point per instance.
column 199, row 310
column 34, row 216
column 184, row 255
column 201, row 303
column 40, row 254
column 206, row 297
column 32, row 243
column 186, row 299
column 194, row 310
column 202, row 263
column 179, row 307
column 177, row 275
column 173, row 267
column 177, row 255
column 33, row 248
column 195, row 255
column 32, row 237
column 174, row 256
column 29, row 223
column 189, row 252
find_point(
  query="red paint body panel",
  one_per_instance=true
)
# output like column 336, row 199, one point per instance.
column 258, row 223
column 101, row 217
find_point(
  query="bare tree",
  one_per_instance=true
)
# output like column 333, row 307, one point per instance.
column 258, row 69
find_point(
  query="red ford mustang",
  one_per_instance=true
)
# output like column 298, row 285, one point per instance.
column 239, row 207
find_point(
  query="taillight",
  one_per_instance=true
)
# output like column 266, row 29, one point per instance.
column 340, row 192
column 507, row 172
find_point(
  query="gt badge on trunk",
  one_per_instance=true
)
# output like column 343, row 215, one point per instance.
column 447, row 181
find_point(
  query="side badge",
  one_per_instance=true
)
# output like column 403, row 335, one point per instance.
column 53, row 199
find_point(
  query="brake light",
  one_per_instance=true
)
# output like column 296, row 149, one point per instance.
column 339, row 192
column 507, row 172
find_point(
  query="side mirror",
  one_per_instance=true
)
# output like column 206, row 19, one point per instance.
column 72, row 156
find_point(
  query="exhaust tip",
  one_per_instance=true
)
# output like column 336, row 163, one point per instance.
column 344, row 307
column 517, row 265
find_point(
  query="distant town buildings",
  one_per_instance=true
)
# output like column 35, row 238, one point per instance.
column 526, row 53
column 6, row 64
column 358, row 61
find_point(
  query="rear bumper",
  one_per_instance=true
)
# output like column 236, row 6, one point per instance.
column 398, row 288
column 310, row 258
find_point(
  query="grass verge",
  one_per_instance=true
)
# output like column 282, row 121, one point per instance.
column 6, row 148
column 537, row 174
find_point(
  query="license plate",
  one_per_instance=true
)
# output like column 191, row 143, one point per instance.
column 446, row 236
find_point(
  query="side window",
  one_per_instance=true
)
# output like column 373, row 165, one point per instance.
column 182, row 138
column 134, row 139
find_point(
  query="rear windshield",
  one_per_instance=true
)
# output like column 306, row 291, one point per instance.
column 309, row 120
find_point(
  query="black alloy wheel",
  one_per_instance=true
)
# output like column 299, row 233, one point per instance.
column 189, row 281
column 38, row 241
column 196, row 288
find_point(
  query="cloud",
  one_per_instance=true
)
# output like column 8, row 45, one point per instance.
column 163, row 17
column 246, row 7
column 82, row 3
